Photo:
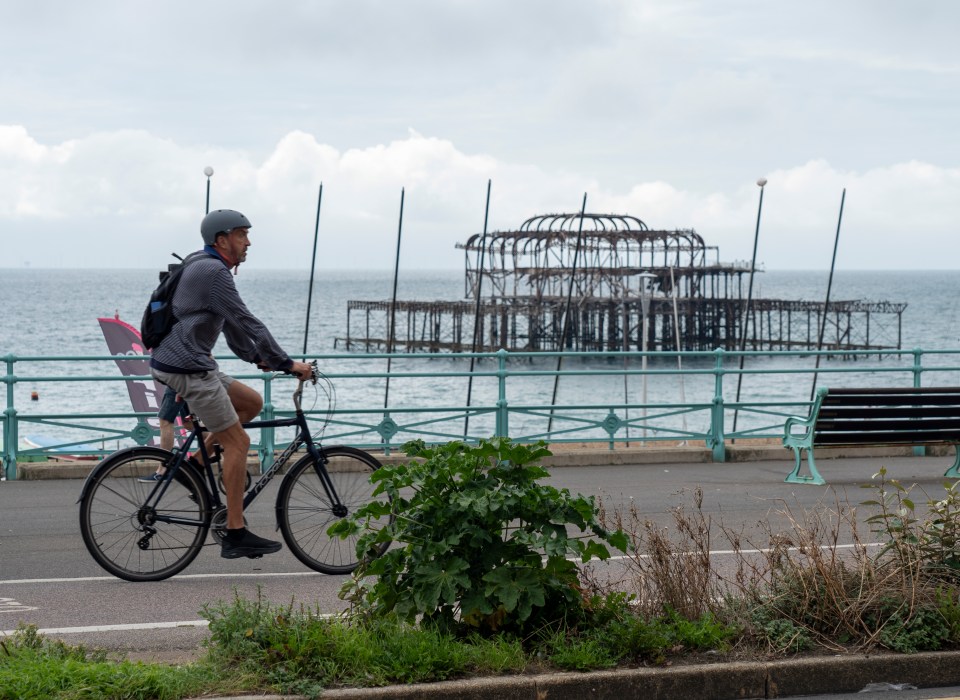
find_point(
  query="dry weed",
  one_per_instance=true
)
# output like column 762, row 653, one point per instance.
column 814, row 582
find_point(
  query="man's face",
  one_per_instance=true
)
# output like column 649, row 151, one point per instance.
column 236, row 243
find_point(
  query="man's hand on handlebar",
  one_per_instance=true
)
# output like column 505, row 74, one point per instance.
column 303, row 371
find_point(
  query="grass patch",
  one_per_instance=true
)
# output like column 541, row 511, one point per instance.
column 257, row 646
column 298, row 650
column 32, row 666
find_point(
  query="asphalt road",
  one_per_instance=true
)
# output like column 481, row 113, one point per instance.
column 48, row 579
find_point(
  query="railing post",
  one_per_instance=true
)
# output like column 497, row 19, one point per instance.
column 917, row 366
column 716, row 413
column 10, row 432
column 267, row 435
column 920, row 450
column 502, row 425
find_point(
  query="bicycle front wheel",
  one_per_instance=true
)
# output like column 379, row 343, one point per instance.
column 131, row 539
column 305, row 509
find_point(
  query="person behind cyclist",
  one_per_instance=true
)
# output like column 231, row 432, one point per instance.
column 170, row 409
column 206, row 304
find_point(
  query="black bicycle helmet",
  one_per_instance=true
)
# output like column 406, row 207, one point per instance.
column 221, row 221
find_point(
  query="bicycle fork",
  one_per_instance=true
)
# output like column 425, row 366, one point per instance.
column 320, row 467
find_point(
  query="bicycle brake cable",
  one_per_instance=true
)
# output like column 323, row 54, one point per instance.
column 329, row 390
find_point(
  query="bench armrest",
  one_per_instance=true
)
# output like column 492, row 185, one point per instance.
column 802, row 437
column 805, row 437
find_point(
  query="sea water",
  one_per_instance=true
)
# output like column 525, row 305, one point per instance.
column 50, row 313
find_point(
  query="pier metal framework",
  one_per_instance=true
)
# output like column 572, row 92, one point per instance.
column 606, row 271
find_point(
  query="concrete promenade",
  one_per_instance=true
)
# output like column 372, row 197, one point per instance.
column 47, row 572
column 584, row 455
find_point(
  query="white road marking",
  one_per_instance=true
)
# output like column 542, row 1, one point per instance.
column 83, row 579
column 117, row 628
column 10, row 605
column 124, row 628
column 723, row 552
column 619, row 557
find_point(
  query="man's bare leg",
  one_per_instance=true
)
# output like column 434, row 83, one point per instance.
column 236, row 444
column 166, row 435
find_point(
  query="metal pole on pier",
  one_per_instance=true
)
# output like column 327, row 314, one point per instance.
column 481, row 257
column 761, row 183
column 676, row 331
column 826, row 304
column 645, row 279
column 625, row 347
column 313, row 264
column 566, row 312
column 393, row 303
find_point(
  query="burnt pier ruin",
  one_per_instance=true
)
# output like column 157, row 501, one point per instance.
column 599, row 282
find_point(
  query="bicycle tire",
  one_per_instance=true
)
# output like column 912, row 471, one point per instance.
column 116, row 528
column 305, row 512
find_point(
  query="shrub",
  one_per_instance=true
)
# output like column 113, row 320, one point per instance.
column 479, row 543
column 932, row 541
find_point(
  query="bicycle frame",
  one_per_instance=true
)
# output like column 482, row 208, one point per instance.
column 303, row 438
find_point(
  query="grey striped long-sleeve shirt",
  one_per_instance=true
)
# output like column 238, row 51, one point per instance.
column 207, row 303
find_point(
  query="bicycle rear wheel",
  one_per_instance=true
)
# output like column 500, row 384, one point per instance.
column 124, row 535
column 305, row 511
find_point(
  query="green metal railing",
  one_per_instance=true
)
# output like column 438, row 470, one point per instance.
column 510, row 398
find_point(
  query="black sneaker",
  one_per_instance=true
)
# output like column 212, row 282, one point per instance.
column 247, row 545
column 155, row 476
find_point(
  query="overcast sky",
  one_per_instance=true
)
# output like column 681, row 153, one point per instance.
column 667, row 110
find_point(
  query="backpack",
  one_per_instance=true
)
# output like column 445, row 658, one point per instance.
column 158, row 319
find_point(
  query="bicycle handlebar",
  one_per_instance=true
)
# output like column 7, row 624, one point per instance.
column 314, row 373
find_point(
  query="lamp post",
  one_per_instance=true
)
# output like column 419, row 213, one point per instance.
column 208, row 171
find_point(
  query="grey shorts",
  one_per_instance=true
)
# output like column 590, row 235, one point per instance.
column 206, row 393
column 170, row 408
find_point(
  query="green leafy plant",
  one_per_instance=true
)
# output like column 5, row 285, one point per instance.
column 781, row 634
column 479, row 544
column 931, row 540
column 906, row 630
column 948, row 604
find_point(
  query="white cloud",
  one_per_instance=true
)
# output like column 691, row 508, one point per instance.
column 664, row 109
column 126, row 198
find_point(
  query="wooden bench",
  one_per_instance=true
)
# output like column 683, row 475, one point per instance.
column 865, row 417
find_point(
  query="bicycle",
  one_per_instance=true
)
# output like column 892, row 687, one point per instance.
column 150, row 531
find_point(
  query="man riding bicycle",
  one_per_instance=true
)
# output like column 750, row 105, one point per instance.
column 205, row 304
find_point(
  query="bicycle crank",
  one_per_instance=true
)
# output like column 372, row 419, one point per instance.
column 218, row 524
